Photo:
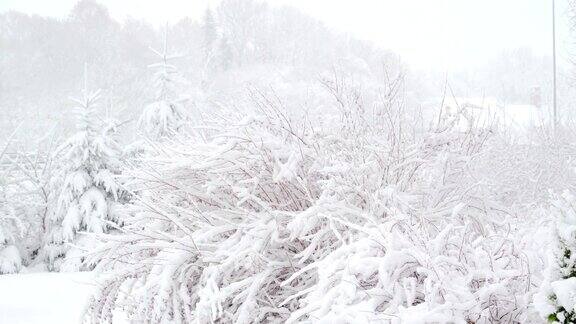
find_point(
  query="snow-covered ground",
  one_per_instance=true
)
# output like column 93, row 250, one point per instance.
column 44, row 298
column 487, row 111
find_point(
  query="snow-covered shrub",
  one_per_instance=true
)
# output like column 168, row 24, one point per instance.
column 24, row 199
column 556, row 300
column 11, row 229
column 350, row 215
column 87, row 192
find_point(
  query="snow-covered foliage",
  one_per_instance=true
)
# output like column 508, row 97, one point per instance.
column 348, row 215
column 24, row 200
column 11, row 228
column 556, row 300
column 87, row 190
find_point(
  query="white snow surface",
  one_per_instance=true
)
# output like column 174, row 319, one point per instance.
column 564, row 291
column 45, row 298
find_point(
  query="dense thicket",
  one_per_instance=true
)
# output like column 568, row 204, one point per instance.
column 352, row 213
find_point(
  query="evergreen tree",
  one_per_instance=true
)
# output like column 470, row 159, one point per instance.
column 164, row 116
column 226, row 55
column 210, row 33
column 88, row 192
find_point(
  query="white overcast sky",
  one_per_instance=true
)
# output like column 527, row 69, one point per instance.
column 431, row 34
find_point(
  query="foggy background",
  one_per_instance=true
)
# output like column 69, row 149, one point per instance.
column 494, row 50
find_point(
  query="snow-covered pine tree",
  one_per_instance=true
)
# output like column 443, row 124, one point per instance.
column 88, row 192
column 166, row 115
column 210, row 42
column 210, row 33
column 226, row 56
column 556, row 300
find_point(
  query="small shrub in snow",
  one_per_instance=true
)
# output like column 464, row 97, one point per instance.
column 25, row 199
column 556, row 300
column 10, row 261
column 11, row 229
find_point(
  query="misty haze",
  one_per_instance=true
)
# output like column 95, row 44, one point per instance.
column 277, row 161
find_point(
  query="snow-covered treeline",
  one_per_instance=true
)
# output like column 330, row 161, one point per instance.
column 42, row 59
column 255, row 167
